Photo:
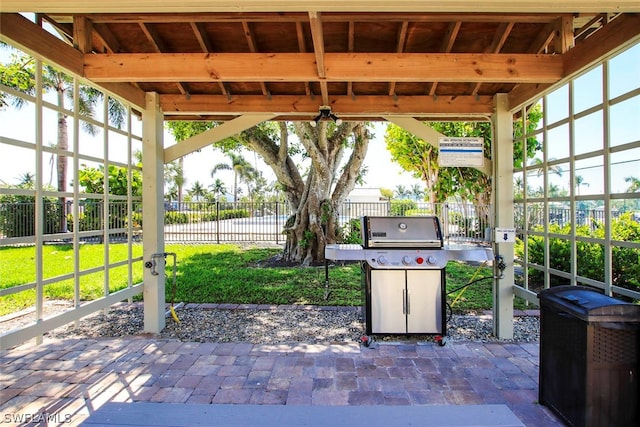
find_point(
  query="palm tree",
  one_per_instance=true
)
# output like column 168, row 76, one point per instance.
column 242, row 171
column 634, row 184
column 27, row 180
column 555, row 191
column 416, row 191
column 401, row 191
column 538, row 167
column 218, row 189
column 20, row 75
column 579, row 183
column 197, row 191
column 174, row 176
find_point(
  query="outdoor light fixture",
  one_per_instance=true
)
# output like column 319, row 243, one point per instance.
column 325, row 114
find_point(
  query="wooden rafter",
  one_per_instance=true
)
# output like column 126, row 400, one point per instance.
column 317, row 35
column 158, row 45
column 499, row 38
column 402, row 37
column 108, row 40
column 302, row 49
column 447, row 44
column 206, row 46
column 350, row 44
column 253, row 48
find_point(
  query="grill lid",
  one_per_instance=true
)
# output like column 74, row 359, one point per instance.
column 401, row 232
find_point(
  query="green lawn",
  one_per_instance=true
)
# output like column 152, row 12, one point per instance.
column 217, row 274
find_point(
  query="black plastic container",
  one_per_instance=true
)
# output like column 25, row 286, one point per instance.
column 589, row 357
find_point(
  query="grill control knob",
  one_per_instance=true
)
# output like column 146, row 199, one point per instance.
column 382, row 260
column 406, row 260
column 419, row 260
column 431, row 260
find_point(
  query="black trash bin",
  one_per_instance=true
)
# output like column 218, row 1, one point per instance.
column 589, row 357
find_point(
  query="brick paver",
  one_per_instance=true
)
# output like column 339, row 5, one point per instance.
column 90, row 372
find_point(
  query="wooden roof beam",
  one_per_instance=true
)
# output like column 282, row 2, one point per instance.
column 365, row 6
column 364, row 105
column 340, row 67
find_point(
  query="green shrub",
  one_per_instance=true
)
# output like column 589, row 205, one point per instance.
column 176, row 218
column 401, row 207
column 350, row 233
column 418, row 212
column 590, row 256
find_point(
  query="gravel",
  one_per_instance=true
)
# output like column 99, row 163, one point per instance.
column 306, row 324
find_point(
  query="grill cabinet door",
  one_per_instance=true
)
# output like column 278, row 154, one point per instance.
column 424, row 297
column 388, row 289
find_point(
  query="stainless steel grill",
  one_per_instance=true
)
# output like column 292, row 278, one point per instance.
column 404, row 264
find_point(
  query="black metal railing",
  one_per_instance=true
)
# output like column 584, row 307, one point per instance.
column 224, row 221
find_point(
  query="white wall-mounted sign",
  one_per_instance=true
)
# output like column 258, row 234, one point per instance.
column 505, row 235
column 461, row 152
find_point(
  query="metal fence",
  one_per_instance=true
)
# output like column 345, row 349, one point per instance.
column 562, row 216
column 223, row 221
column 18, row 219
column 233, row 222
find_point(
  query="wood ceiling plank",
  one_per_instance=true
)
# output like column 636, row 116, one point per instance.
column 206, row 46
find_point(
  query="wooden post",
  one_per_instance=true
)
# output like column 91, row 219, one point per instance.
column 153, row 213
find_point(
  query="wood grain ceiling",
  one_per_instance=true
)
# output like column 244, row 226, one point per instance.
column 365, row 65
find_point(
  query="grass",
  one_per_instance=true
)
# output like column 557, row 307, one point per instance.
column 216, row 274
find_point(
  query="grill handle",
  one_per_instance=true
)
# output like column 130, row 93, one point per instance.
column 408, row 303
column 404, row 301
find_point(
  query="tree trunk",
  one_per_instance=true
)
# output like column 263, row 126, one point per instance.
column 61, row 163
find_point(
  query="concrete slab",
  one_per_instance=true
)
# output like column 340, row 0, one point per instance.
column 178, row 415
